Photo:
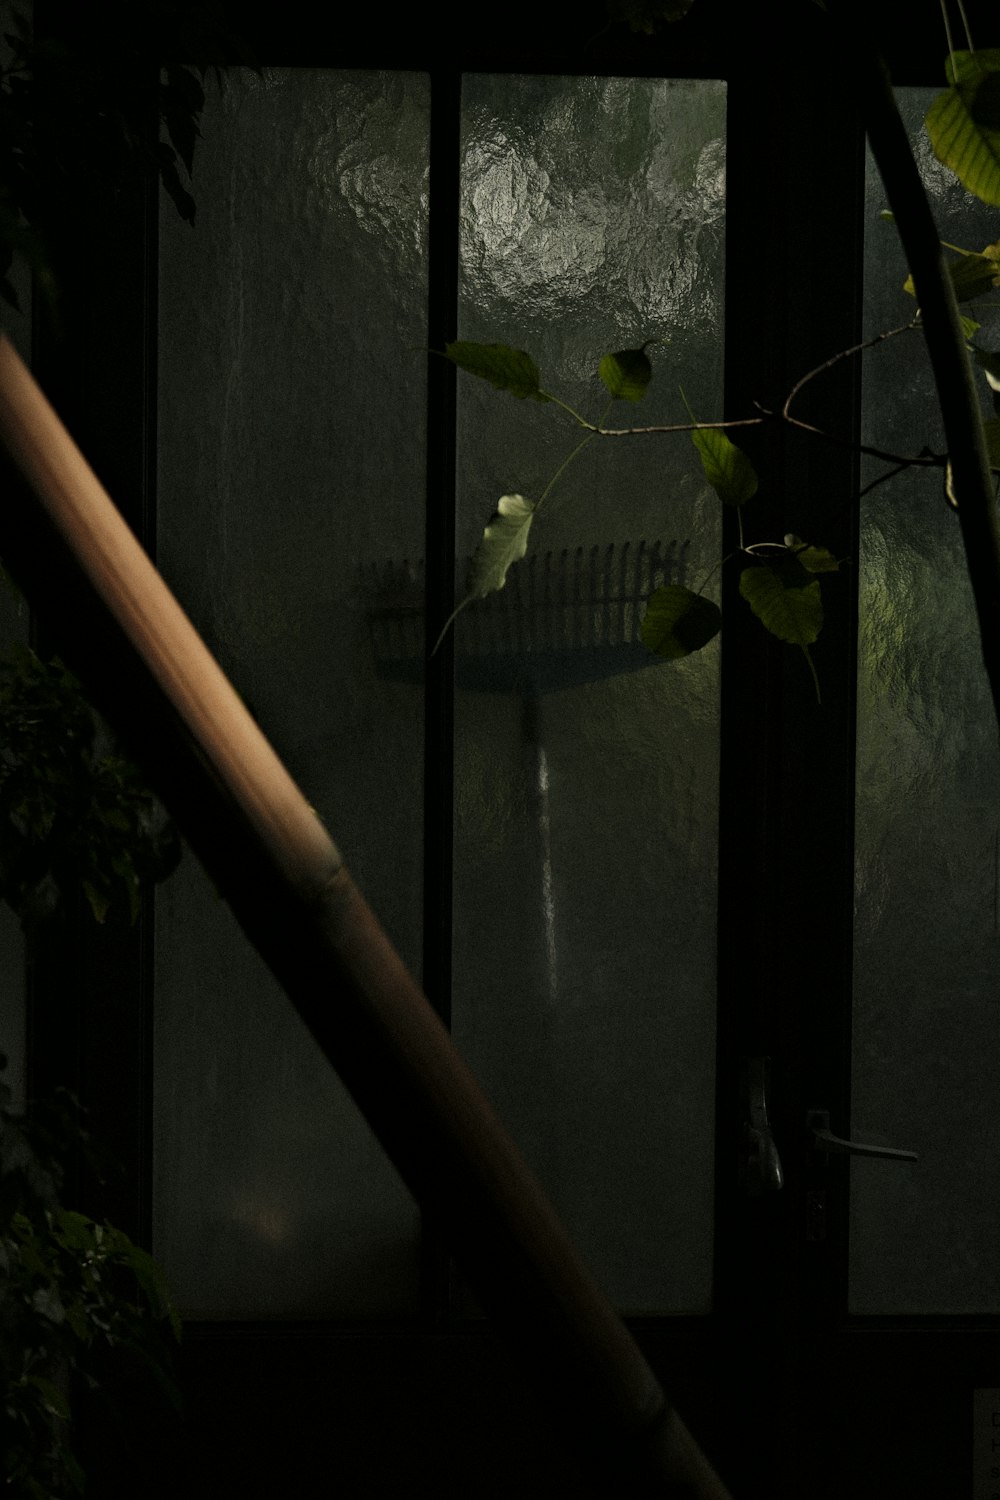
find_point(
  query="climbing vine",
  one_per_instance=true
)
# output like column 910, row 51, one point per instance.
column 781, row 580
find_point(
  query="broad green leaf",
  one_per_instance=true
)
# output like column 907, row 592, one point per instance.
column 972, row 276
column 678, row 622
column 626, row 374
column 817, row 560
column 727, row 468
column 508, row 369
column 961, row 123
column 793, row 614
column 505, row 541
column 53, row 1397
column 76, row 1231
column 149, row 1276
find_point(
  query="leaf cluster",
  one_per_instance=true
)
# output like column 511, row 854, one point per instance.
column 83, row 115
column 779, row 579
column 80, row 1305
column 74, row 812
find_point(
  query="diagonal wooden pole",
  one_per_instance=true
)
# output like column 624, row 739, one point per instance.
column 117, row 622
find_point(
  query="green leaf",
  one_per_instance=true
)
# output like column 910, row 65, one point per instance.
column 817, row 559
column 969, row 326
column 508, row 369
column 961, row 123
column 55, row 1401
column 792, row 613
column 76, row 1231
column 678, row 622
column 972, row 276
column 626, row 374
column 505, row 541
column 727, row 468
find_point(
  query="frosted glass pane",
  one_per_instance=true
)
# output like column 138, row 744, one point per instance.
column 292, row 420
column 925, row 1238
column 585, row 878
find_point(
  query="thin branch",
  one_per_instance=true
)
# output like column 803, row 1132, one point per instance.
column 880, row 338
column 683, row 426
column 881, row 479
column 904, row 460
column 925, row 459
column 966, row 27
column 947, row 31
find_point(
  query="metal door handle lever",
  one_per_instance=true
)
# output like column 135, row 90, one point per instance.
column 818, row 1123
column 762, row 1164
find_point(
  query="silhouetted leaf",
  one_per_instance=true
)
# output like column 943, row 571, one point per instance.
column 792, row 613
column 972, row 276
column 816, row 559
column 727, row 468
column 626, row 374
column 508, row 369
column 678, row 622
column 505, row 541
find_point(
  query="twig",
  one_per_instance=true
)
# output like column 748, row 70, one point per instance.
column 889, row 333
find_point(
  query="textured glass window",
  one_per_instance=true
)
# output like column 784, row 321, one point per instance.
column 925, row 1237
column 291, row 523
column 292, row 425
column 586, row 770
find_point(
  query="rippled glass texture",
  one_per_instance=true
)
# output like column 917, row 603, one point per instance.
column 586, row 770
column 925, row 1237
column 291, row 438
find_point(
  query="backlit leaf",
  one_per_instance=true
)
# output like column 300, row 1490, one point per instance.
column 505, row 541
column 626, row 374
column 727, row 468
column 972, row 276
column 508, row 369
column 793, row 614
column 817, row 560
column 678, row 622
column 962, row 124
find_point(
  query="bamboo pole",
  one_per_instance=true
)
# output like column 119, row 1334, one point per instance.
column 82, row 567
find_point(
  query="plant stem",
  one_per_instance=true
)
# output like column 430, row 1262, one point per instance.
column 965, row 25
column 557, row 401
column 879, row 338
column 564, row 466
column 977, row 511
column 947, row 33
